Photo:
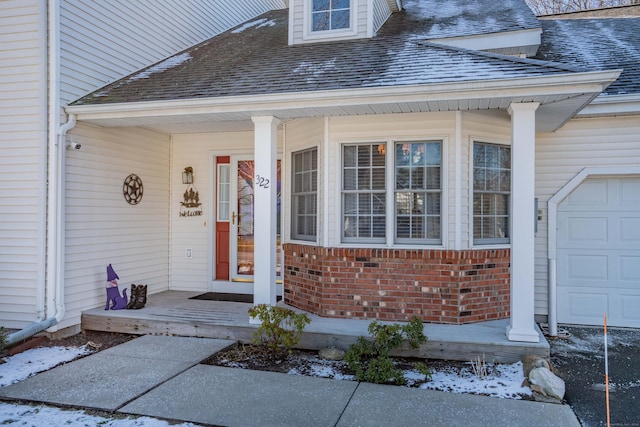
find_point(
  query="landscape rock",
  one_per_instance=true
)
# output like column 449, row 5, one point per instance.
column 547, row 383
column 331, row 353
column 531, row 361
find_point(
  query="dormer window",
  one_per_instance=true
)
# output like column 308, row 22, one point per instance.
column 328, row 20
column 329, row 15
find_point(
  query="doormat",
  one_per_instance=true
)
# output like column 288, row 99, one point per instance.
column 222, row 296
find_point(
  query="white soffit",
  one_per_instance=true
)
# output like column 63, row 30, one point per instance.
column 523, row 42
column 612, row 105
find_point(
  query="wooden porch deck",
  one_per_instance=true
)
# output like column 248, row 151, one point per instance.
column 173, row 313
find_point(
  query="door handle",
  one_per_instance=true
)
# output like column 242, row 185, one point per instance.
column 233, row 217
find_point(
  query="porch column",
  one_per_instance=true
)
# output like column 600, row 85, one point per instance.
column 523, row 131
column 265, row 186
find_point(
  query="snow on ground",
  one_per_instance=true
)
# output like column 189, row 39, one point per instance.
column 503, row 381
column 26, row 364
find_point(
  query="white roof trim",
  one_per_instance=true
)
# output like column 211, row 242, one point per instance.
column 522, row 42
column 576, row 83
column 610, row 105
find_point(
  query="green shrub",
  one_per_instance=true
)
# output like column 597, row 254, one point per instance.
column 369, row 358
column 280, row 327
column 3, row 339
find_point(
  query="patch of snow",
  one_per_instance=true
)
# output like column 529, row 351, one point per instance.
column 258, row 22
column 168, row 63
column 44, row 416
column 28, row 363
column 316, row 71
column 504, row 381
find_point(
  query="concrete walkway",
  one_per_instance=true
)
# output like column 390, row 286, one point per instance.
column 162, row 377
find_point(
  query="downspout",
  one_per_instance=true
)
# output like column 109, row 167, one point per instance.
column 55, row 190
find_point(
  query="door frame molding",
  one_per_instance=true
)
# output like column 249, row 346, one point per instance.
column 228, row 286
column 552, row 216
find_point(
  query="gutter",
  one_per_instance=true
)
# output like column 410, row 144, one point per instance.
column 579, row 83
column 53, row 286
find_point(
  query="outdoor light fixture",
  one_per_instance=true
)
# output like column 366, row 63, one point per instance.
column 187, row 175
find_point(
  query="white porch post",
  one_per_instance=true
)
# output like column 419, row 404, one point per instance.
column 265, row 186
column 522, row 323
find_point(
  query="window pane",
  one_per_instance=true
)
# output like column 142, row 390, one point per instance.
column 364, row 155
column 350, row 203
column 340, row 4
column 434, row 204
column 505, row 180
column 402, row 154
column 379, row 204
column 364, row 203
column 320, row 21
column 349, row 156
column 340, row 19
column 402, row 178
column 379, row 227
column 417, row 178
column 379, row 156
column 319, row 5
column 417, row 154
column 350, row 226
column 350, row 179
column 433, row 178
column 364, row 179
column 379, row 178
column 434, row 153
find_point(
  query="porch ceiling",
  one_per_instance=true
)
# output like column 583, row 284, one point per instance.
column 231, row 115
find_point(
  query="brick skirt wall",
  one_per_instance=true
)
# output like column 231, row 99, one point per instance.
column 438, row 286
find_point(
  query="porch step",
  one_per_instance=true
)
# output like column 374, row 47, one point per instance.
column 173, row 313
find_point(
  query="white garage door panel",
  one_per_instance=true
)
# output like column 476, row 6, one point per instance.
column 598, row 244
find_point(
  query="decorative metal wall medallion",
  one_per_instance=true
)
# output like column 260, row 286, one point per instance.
column 132, row 189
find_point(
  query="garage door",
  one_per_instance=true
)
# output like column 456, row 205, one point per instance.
column 598, row 250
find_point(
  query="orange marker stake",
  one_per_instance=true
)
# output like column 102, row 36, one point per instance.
column 606, row 370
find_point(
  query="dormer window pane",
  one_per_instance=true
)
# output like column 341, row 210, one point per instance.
column 330, row 15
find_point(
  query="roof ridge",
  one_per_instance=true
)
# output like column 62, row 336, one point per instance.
column 493, row 55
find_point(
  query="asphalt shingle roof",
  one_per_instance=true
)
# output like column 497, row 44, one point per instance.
column 596, row 44
column 457, row 18
column 255, row 59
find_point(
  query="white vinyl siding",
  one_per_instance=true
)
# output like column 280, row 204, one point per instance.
column 102, row 41
column 583, row 142
column 22, row 160
column 381, row 13
column 102, row 228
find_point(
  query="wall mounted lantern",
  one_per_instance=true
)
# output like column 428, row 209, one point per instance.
column 187, row 175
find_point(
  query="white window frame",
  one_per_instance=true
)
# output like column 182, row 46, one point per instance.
column 390, row 230
column 487, row 242
column 309, row 34
column 293, row 215
column 220, row 214
column 426, row 191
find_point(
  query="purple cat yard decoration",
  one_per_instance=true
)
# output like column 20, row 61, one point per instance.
column 114, row 300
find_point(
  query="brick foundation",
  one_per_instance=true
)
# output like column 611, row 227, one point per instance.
column 439, row 286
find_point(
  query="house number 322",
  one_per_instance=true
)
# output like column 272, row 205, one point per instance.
column 262, row 181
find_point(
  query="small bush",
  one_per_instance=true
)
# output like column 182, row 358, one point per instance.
column 280, row 327
column 369, row 358
column 3, row 339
